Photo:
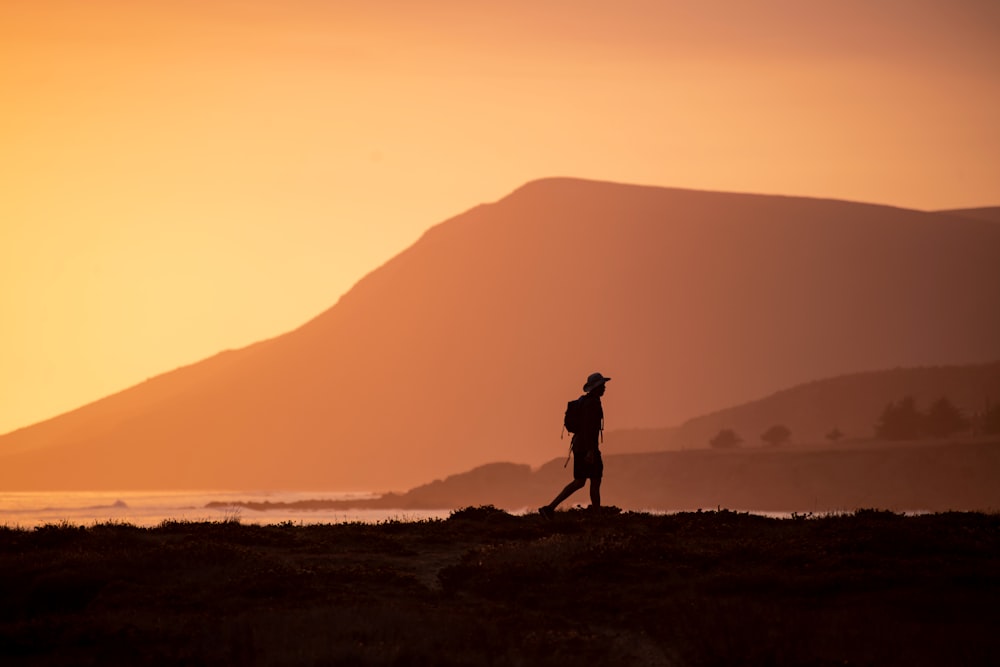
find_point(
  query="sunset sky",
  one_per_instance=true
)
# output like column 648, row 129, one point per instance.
column 179, row 177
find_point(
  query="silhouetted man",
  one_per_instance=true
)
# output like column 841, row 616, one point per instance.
column 587, row 463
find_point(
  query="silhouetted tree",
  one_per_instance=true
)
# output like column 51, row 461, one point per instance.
column 899, row 421
column 943, row 419
column 725, row 439
column 776, row 435
column 834, row 435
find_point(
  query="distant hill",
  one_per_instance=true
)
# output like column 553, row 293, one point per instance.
column 990, row 214
column 464, row 348
column 850, row 403
column 915, row 476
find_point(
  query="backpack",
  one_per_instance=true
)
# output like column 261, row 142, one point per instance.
column 574, row 414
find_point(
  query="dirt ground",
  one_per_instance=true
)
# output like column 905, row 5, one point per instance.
column 488, row 588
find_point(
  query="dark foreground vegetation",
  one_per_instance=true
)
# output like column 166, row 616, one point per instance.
column 487, row 588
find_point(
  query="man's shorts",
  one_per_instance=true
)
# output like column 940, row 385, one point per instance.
column 594, row 469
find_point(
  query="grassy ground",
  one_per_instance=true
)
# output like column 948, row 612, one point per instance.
column 488, row 588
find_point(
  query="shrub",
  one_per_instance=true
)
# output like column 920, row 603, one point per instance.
column 481, row 513
column 778, row 434
column 725, row 439
column 943, row 419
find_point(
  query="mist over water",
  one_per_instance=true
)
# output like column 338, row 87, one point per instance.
column 151, row 508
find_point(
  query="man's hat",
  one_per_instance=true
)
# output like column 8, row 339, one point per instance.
column 594, row 380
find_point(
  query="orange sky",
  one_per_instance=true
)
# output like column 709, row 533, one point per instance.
column 178, row 177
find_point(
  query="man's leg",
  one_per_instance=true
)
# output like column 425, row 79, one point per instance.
column 570, row 489
column 595, row 492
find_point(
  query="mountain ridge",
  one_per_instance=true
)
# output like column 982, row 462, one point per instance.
column 988, row 213
column 462, row 347
column 851, row 403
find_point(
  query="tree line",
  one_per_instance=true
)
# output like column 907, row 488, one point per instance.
column 900, row 420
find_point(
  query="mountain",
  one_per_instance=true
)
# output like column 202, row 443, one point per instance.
column 990, row 213
column 928, row 476
column 464, row 348
column 935, row 476
column 850, row 403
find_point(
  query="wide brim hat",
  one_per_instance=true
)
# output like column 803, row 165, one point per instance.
column 594, row 380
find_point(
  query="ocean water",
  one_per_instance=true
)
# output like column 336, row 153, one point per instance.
column 151, row 508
